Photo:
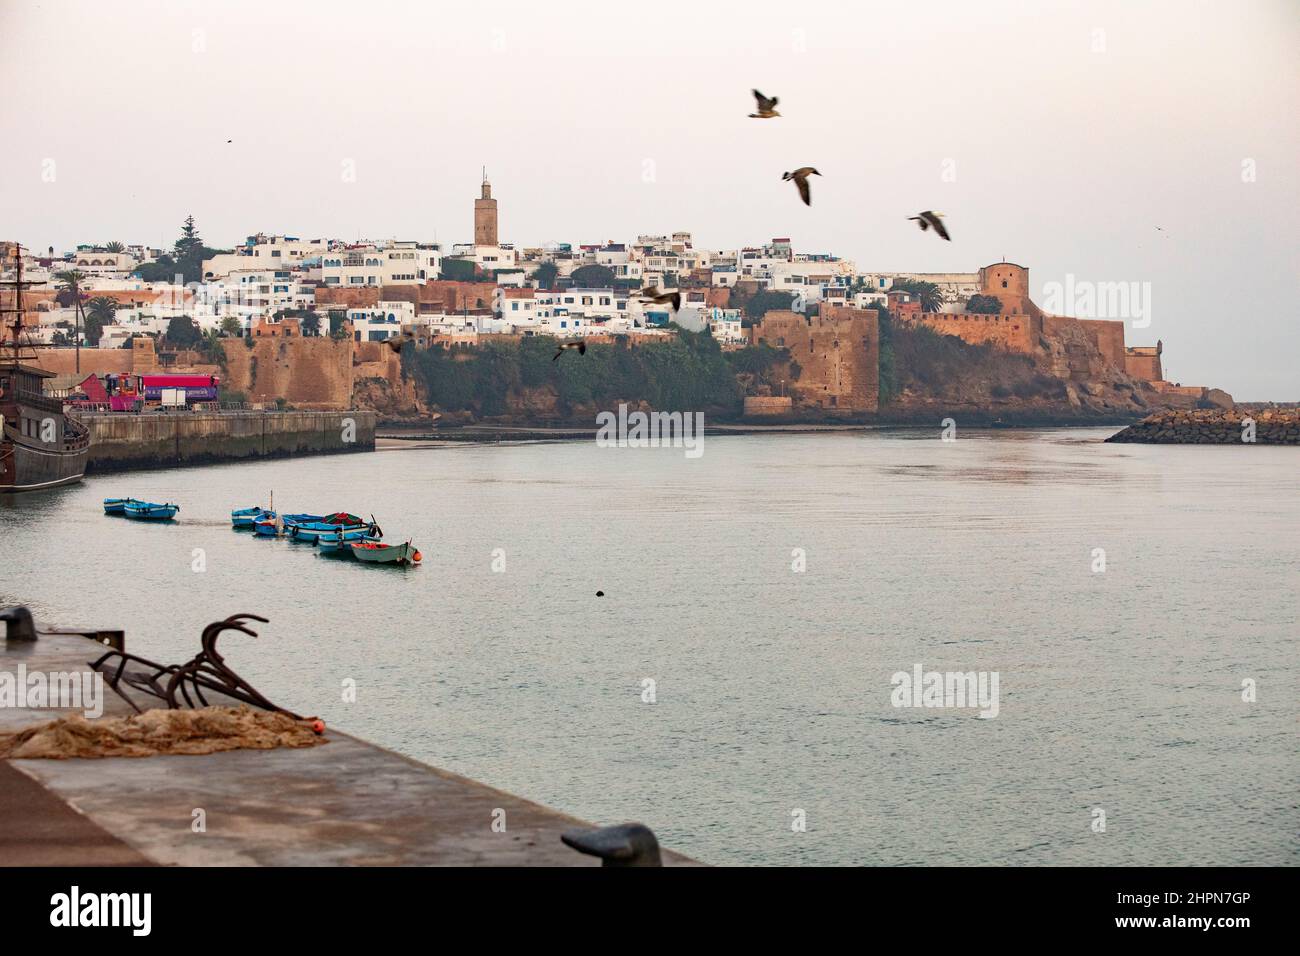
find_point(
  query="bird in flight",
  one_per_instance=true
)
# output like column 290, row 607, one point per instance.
column 800, row 177
column 396, row 342
column 765, row 107
column 651, row 293
column 580, row 346
column 930, row 218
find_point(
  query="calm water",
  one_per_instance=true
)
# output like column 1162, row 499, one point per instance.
column 1119, row 690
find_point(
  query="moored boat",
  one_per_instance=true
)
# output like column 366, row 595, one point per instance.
column 247, row 517
column 377, row 553
column 339, row 542
column 151, row 511
column 40, row 446
column 339, row 521
column 330, row 540
column 116, row 506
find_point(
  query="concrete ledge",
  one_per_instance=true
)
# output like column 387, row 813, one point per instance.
column 347, row 802
column 124, row 441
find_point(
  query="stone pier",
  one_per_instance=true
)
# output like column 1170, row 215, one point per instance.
column 122, row 441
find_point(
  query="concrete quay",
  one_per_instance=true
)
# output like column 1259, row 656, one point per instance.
column 347, row 802
column 121, row 441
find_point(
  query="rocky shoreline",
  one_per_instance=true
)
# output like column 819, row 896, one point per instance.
column 1280, row 426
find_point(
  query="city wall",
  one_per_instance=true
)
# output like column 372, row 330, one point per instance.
column 308, row 373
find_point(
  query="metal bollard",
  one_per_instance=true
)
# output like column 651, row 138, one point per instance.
column 19, row 625
column 629, row 844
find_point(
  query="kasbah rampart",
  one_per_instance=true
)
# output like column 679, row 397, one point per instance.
column 837, row 353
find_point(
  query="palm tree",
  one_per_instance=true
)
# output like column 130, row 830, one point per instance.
column 70, row 287
column 929, row 295
column 114, row 246
column 212, row 348
column 100, row 311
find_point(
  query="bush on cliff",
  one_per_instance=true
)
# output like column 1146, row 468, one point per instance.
column 686, row 373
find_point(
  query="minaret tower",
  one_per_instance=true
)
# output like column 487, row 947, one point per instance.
column 485, row 216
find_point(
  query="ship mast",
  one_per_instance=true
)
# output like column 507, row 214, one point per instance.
column 18, row 284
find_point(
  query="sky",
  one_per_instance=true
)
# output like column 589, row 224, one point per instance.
column 1153, row 143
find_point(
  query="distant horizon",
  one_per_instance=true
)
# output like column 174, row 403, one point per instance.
column 1109, row 142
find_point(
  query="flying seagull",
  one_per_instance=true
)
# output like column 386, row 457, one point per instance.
column 580, row 346
column 930, row 218
column 651, row 293
column 800, row 177
column 396, row 342
column 765, row 107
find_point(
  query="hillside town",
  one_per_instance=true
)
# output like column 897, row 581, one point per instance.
column 337, row 312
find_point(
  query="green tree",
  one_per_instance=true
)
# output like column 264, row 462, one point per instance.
column 114, row 246
column 182, row 331
column 459, row 270
column 984, row 305
column 212, row 348
column 100, row 311
column 189, row 243
column 163, row 269
column 336, row 319
column 231, row 326
column 69, row 292
column 593, row 277
column 311, row 324
column 546, row 274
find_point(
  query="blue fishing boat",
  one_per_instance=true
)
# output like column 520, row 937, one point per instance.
column 337, row 541
column 339, row 521
column 268, row 526
column 247, row 517
column 151, row 511
column 116, row 506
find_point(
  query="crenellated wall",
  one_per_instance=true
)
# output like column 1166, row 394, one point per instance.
column 1014, row 332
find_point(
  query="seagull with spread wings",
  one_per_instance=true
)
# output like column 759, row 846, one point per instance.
column 766, row 107
column 579, row 345
column 800, row 177
column 929, row 219
column 651, row 293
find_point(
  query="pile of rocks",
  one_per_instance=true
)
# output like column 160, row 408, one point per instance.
column 1216, row 426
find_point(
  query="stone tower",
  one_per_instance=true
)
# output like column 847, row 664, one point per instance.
column 485, row 216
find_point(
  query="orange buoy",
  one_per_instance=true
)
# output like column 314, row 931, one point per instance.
column 418, row 556
column 318, row 725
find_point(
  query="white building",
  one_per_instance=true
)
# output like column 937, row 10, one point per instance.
column 383, row 321
column 394, row 263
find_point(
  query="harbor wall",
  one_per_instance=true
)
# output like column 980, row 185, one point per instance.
column 160, row 440
column 1217, row 426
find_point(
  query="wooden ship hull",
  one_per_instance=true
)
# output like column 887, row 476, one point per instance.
column 28, row 461
column 40, row 446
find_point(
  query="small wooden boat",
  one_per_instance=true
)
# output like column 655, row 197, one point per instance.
column 377, row 553
column 116, row 506
column 247, row 517
column 151, row 511
column 270, row 525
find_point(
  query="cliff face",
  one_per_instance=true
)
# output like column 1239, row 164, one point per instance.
column 929, row 373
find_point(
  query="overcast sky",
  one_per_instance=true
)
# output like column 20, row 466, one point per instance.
column 1068, row 132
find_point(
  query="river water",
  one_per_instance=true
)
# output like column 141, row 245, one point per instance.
column 725, row 698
